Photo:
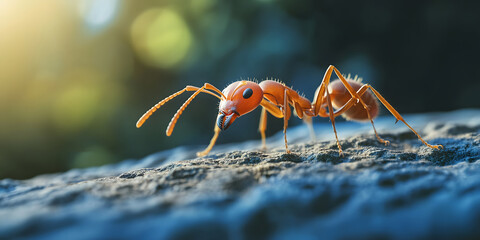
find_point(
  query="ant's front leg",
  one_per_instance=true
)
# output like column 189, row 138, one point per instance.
column 212, row 143
column 262, row 127
column 267, row 107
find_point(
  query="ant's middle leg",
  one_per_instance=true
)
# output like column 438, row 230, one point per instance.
column 399, row 117
column 332, row 120
column 356, row 97
column 320, row 94
column 350, row 103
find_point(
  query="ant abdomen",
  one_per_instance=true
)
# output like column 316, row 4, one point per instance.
column 340, row 96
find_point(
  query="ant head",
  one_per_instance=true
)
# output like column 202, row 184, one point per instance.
column 241, row 98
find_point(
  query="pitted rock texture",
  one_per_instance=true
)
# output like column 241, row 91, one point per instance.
column 402, row 191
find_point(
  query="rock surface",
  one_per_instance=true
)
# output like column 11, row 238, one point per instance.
column 402, row 191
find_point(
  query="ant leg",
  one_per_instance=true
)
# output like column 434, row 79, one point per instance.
column 263, row 126
column 272, row 108
column 286, row 116
column 350, row 103
column 149, row 113
column 298, row 109
column 318, row 101
column 305, row 117
column 399, row 117
column 277, row 112
column 320, row 92
column 353, row 93
column 332, row 119
column 350, row 89
column 212, row 143
column 319, row 98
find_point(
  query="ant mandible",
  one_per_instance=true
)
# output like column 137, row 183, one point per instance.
column 345, row 96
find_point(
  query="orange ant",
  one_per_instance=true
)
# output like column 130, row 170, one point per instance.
column 346, row 97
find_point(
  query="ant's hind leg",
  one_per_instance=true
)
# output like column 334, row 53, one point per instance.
column 212, row 143
column 399, row 117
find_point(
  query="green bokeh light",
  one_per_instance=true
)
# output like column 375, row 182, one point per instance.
column 161, row 37
column 93, row 156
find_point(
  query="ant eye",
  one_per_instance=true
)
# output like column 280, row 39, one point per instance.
column 247, row 93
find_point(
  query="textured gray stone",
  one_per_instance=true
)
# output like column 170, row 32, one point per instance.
column 404, row 190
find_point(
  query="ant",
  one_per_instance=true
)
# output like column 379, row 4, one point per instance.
column 344, row 96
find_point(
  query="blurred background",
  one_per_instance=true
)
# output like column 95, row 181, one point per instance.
column 75, row 76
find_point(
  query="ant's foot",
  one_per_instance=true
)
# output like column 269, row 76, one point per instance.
column 263, row 149
column 438, row 147
column 386, row 142
column 202, row 153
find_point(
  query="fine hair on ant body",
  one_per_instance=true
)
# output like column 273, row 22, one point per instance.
column 346, row 97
